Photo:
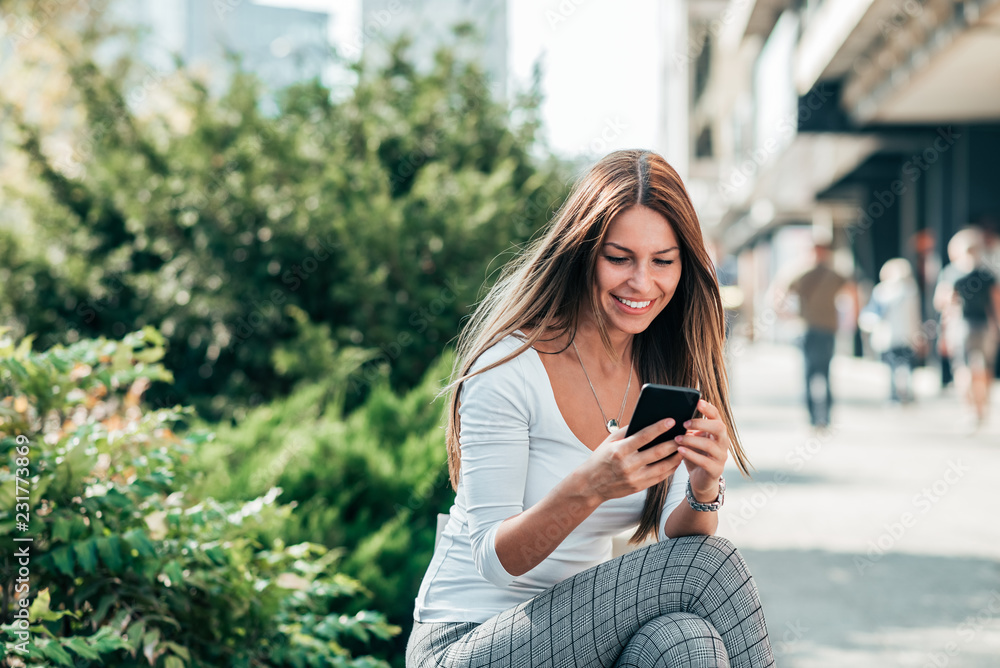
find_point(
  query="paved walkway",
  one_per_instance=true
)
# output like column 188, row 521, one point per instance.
column 879, row 543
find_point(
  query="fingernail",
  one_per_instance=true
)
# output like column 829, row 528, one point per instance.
column 679, row 439
column 688, row 423
column 668, row 422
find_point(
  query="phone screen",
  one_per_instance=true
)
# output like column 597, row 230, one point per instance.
column 657, row 402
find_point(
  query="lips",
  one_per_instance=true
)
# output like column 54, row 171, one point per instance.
column 633, row 304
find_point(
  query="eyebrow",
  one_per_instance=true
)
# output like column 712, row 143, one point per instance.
column 629, row 250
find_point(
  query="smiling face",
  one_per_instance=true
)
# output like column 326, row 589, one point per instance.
column 638, row 269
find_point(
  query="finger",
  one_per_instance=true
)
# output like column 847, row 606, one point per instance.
column 647, row 434
column 618, row 434
column 712, row 426
column 701, row 461
column 708, row 446
column 658, row 452
column 658, row 471
column 708, row 410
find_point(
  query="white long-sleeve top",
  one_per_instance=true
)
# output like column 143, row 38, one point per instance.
column 515, row 448
column 899, row 323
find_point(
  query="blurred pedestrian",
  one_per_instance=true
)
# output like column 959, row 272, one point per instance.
column 892, row 317
column 817, row 290
column 968, row 298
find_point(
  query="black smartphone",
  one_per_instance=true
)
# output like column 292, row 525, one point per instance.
column 658, row 402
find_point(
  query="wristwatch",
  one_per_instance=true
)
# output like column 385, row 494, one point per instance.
column 707, row 507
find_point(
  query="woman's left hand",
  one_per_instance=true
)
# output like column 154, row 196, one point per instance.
column 704, row 450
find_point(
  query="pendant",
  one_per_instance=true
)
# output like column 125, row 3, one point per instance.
column 612, row 425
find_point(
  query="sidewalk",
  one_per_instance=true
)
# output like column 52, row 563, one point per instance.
column 879, row 543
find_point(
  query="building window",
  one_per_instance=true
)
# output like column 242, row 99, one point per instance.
column 703, row 145
column 702, row 67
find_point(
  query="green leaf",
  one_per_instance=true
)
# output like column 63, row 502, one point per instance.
column 149, row 643
column 137, row 538
column 63, row 559
column 110, row 549
column 7, row 494
column 179, row 650
column 60, row 530
column 134, row 634
column 149, row 355
column 218, row 555
column 40, row 610
column 86, row 555
column 60, row 365
column 24, row 348
column 174, row 572
column 54, row 651
column 121, row 360
column 173, row 662
column 80, row 646
column 103, row 606
column 16, row 368
column 40, row 485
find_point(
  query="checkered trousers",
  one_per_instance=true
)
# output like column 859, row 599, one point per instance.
column 687, row 601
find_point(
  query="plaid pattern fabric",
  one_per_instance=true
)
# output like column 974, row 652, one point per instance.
column 687, row 601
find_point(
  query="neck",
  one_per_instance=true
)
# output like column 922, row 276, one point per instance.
column 588, row 339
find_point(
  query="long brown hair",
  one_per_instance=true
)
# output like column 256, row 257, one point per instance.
column 545, row 289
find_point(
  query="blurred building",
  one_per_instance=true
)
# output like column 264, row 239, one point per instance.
column 280, row 45
column 430, row 24
column 871, row 123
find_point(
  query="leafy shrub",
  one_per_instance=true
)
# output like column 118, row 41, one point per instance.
column 127, row 566
column 372, row 482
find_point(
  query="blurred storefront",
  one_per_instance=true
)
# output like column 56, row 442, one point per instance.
column 868, row 123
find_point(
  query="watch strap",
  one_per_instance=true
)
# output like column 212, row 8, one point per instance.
column 707, row 507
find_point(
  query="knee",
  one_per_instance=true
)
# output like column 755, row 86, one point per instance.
column 716, row 554
column 710, row 545
column 679, row 627
column 679, row 638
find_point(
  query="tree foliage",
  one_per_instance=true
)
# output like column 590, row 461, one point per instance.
column 368, row 219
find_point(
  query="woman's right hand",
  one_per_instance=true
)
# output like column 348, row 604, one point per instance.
column 618, row 469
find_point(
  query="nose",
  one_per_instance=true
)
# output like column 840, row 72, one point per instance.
column 640, row 280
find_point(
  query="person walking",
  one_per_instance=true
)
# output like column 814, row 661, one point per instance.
column 892, row 317
column 817, row 290
column 618, row 292
column 968, row 298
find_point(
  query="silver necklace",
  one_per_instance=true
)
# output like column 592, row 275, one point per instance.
column 611, row 424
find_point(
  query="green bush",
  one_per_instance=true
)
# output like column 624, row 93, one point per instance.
column 126, row 566
column 372, row 482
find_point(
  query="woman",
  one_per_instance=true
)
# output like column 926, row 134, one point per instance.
column 619, row 292
column 892, row 317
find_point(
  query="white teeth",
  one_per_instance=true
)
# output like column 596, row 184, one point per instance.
column 632, row 303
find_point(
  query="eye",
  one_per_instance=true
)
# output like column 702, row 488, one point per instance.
column 616, row 260
column 663, row 263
